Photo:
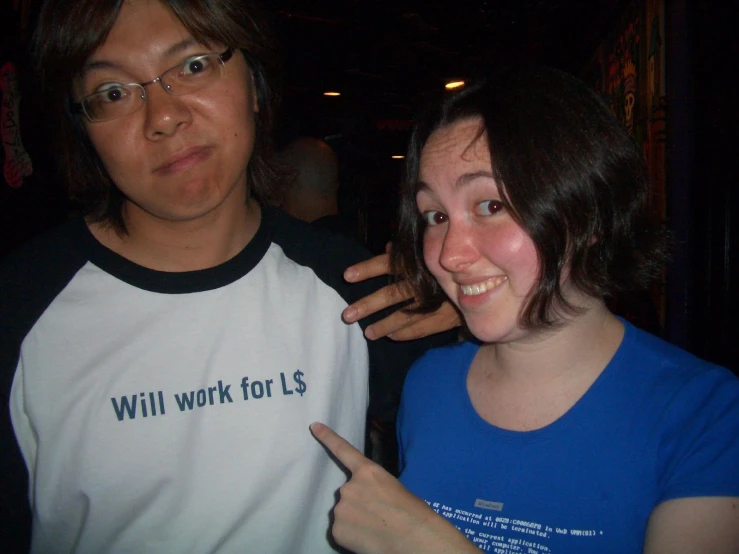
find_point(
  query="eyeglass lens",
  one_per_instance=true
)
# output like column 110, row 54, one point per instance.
column 117, row 100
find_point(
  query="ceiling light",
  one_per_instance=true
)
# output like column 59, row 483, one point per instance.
column 454, row 84
column 332, row 94
column 398, row 157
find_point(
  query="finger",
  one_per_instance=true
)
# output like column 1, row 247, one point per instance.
column 424, row 325
column 388, row 295
column 352, row 458
column 394, row 323
column 374, row 267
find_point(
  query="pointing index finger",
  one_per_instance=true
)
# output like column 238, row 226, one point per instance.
column 338, row 446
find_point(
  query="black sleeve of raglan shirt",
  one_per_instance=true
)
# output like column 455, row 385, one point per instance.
column 30, row 279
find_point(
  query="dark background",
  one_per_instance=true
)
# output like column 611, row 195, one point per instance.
column 385, row 56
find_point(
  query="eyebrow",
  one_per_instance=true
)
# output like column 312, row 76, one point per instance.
column 464, row 179
column 176, row 48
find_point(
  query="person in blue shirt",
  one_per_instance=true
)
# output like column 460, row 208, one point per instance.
column 560, row 428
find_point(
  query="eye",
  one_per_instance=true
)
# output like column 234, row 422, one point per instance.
column 111, row 92
column 433, row 218
column 193, row 66
column 490, row 207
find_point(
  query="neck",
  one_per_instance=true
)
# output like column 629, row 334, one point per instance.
column 310, row 208
column 578, row 350
column 175, row 246
column 528, row 384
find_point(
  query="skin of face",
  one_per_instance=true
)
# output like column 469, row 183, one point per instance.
column 178, row 158
column 482, row 258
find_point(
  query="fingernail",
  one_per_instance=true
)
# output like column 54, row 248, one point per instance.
column 350, row 314
column 350, row 274
column 370, row 333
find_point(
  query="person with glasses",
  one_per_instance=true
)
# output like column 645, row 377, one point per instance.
column 162, row 355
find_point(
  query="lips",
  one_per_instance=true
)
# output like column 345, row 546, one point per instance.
column 484, row 286
column 183, row 159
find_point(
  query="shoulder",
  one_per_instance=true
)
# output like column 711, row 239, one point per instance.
column 33, row 276
column 45, row 261
column 326, row 253
column 690, row 407
column 455, row 354
column 683, row 393
column 441, row 363
column 435, row 389
column 311, row 245
column 670, row 368
column 59, row 243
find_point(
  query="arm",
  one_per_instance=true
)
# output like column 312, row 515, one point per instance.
column 376, row 514
column 694, row 526
column 399, row 325
column 15, row 512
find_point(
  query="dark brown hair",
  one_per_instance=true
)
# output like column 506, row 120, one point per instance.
column 69, row 32
column 570, row 176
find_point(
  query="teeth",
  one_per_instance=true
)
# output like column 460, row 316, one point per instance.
column 479, row 288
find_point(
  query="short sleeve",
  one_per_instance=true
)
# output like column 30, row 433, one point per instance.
column 699, row 452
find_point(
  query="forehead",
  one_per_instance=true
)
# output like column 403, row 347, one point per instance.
column 458, row 143
column 144, row 29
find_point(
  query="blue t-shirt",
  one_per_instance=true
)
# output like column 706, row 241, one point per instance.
column 657, row 424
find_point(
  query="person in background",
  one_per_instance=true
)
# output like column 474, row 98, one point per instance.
column 162, row 354
column 312, row 194
column 561, row 428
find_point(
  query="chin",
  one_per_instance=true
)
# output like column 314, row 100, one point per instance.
column 490, row 332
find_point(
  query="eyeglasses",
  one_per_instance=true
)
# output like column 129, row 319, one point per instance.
column 115, row 100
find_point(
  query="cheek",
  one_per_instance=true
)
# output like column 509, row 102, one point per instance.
column 512, row 249
column 432, row 243
column 114, row 146
column 530, row 263
column 524, row 257
column 237, row 125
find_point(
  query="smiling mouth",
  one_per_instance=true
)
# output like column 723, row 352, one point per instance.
column 479, row 288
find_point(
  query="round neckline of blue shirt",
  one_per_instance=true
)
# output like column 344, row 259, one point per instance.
column 557, row 426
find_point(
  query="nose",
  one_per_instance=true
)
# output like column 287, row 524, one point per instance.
column 165, row 113
column 458, row 250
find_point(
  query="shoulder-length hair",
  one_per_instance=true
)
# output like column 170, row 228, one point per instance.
column 571, row 177
column 69, row 32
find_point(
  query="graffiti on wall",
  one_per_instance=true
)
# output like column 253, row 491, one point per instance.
column 627, row 70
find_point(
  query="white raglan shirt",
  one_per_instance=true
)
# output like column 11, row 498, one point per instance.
column 162, row 412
